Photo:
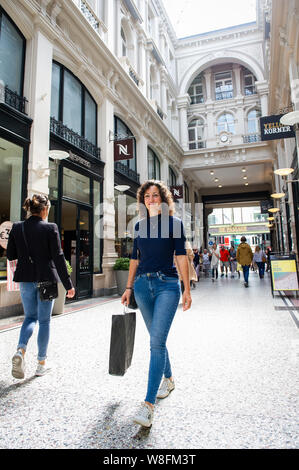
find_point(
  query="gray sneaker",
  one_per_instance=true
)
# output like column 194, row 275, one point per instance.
column 42, row 369
column 166, row 387
column 144, row 416
column 18, row 366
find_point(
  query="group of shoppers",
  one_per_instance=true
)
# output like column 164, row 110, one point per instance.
column 233, row 259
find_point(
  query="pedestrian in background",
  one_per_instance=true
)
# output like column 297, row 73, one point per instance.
column 196, row 261
column 244, row 257
column 156, row 284
column 233, row 260
column 224, row 260
column 259, row 258
column 214, row 261
column 206, row 262
column 48, row 264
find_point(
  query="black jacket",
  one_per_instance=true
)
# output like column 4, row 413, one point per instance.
column 44, row 248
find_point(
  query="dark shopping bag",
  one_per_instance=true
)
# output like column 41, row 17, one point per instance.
column 122, row 342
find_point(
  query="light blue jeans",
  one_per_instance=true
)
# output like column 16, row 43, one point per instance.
column 35, row 310
column 157, row 297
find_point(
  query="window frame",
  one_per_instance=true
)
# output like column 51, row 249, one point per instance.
column 22, row 67
column 84, row 90
column 196, row 98
column 198, row 138
column 227, row 125
column 156, row 165
column 219, row 95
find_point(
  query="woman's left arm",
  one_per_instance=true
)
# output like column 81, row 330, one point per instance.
column 182, row 261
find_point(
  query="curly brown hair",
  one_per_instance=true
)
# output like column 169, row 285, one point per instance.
column 165, row 195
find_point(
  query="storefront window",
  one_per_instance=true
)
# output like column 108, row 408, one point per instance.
column 125, row 211
column 11, row 164
column 76, row 186
column 12, row 49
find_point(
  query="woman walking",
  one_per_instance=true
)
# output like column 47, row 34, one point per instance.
column 158, row 237
column 215, row 261
column 233, row 260
column 36, row 245
column 259, row 258
column 244, row 257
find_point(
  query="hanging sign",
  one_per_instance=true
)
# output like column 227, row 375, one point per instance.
column 123, row 149
column 272, row 129
column 177, row 192
column 265, row 205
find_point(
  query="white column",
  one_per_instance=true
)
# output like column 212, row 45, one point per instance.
column 40, row 104
column 183, row 103
column 148, row 50
column 16, row 184
column 142, row 169
column 163, row 90
column 207, row 76
column 237, row 74
column 117, row 22
column 142, row 62
column 164, row 169
column 110, row 21
column 108, row 210
column 262, row 89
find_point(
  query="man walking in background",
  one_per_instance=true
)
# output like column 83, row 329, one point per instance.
column 244, row 257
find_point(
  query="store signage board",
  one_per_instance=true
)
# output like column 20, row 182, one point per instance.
column 272, row 129
column 177, row 192
column 5, row 228
column 284, row 274
column 123, row 149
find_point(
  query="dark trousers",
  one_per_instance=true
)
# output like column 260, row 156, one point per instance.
column 261, row 267
column 215, row 271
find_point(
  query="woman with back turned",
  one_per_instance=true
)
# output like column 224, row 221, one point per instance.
column 158, row 237
column 40, row 258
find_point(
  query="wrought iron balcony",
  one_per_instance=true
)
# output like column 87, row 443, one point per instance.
column 60, row 130
column 13, row 99
column 126, row 171
column 250, row 138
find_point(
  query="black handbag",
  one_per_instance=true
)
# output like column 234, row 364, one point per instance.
column 48, row 290
column 132, row 304
column 122, row 342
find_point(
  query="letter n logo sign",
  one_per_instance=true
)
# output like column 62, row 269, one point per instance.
column 123, row 149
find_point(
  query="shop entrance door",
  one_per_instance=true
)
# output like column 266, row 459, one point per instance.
column 77, row 246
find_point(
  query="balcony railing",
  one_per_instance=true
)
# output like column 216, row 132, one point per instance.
column 91, row 17
column 126, row 171
column 250, row 138
column 131, row 71
column 60, row 130
column 12, row 98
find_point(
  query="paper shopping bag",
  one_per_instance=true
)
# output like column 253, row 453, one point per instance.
column 11, row 267
column 122, row 342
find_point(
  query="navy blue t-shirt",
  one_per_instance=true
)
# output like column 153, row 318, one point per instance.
column 156, row 240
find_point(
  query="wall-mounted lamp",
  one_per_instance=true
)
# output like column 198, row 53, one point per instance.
column 277, row 195
column 58, row 154
column 273, row 210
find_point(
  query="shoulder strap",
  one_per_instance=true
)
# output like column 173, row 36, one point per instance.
column 25, row 240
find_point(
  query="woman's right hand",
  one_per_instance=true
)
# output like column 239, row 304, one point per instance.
column 70, row 293
column 125, row 298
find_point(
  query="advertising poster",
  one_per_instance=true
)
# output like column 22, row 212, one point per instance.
column 284, row 274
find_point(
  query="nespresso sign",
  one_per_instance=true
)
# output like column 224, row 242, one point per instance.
column 177, row 192
column 123, row 149
column 272, row 129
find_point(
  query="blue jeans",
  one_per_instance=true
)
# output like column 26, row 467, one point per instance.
column 246, row 272
column 157, row 297
column 261, row 267
column 35, row 310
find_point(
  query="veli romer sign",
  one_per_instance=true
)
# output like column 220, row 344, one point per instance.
column 271, row 128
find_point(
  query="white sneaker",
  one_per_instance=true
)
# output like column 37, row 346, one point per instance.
column 144, row 415
column 42, row 369
column 166, row 387
column 18, row 365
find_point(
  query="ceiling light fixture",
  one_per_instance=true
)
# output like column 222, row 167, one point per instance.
column 271, row 218
column 244, row 170
column 244, row 177
column 277, row 195
column 246, row 184
column 216, row 180
column 284, row 171
column 211, row 172
column 273, row 209
column 219, row 185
